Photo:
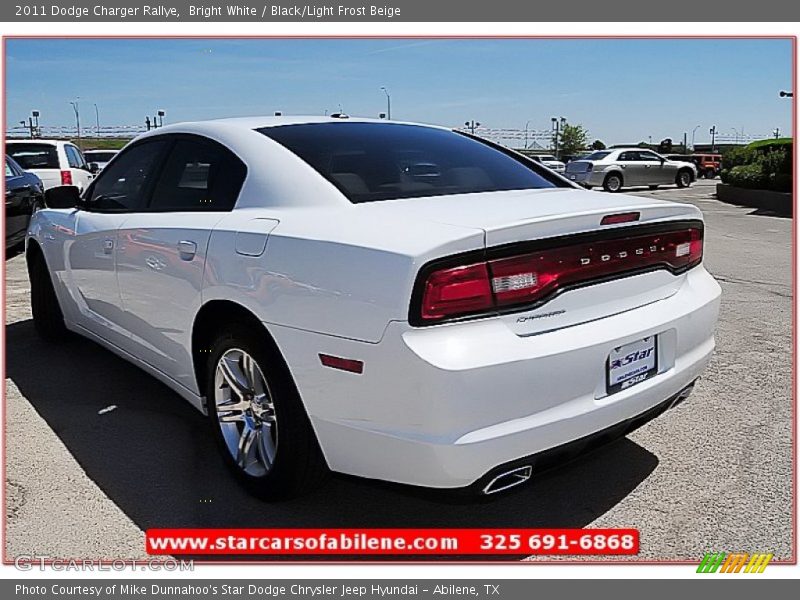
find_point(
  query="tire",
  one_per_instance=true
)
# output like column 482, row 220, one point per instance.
column 267, row 440
column 710, row 174
column 684, row 178
column 653, row 187
column 612, row 183
column 47, row 316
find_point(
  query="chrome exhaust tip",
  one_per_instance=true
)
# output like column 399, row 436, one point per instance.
column 508, row 480
column 682, row 395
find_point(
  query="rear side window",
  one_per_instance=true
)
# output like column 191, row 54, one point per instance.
column 198, row 176
column 73, row 159
column 123, row 185
column 34, row 156
column 370, row 162
column 9, row 170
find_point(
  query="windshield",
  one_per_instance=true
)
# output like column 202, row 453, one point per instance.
column 369, row 162
column 33, row 156
column 596, row 156
column 99, row 156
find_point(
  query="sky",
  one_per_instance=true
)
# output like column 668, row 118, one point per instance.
column 622, row 91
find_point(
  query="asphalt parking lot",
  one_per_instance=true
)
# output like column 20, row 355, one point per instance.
column 714, row 474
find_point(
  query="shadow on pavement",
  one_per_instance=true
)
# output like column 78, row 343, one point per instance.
column 153, row 457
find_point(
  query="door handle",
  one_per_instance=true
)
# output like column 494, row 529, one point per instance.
column 187, row 249
column 108, row 246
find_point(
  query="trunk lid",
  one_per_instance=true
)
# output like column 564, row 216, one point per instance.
column 516, row 217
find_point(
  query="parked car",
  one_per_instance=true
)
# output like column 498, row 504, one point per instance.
column 708, row 165
column 24, row 196
column 100, row 157
column 629, row 167
column 55, row 162
column 549, row 161
column 330, row 304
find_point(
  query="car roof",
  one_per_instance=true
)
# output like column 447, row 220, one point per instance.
column 37, row 141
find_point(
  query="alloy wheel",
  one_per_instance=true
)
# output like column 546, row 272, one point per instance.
column 245, row 412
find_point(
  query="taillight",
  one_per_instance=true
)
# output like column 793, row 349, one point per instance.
column 66, row 177
column 530, row 278
column 457, row 291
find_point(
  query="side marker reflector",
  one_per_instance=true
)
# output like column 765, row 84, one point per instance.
column 343, row 364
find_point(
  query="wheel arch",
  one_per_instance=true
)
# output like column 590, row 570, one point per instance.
column 209, row 321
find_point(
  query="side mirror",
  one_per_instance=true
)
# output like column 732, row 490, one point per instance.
column 94, row 168
column 63, row 196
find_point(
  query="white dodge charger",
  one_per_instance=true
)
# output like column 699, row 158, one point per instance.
column 389, row 300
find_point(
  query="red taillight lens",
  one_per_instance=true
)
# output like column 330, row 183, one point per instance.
column 66, row 177
column 531, row 277
column 457, row 291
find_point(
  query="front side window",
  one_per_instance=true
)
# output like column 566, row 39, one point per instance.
column 124, row 184
column 369, row 162
column 33, row 156
column 649, row 156
column 198, row 176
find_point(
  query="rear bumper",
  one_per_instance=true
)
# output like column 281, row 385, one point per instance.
column 587, row 178
column 443, row 406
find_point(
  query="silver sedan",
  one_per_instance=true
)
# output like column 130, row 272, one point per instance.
column 629, row 167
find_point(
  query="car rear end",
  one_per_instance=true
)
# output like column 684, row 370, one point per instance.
column 43, row 158
column 564, row 328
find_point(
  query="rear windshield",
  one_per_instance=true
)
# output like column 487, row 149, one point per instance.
column 33, row 156
column 596, row 156
column 369, row 162
column 98, row 156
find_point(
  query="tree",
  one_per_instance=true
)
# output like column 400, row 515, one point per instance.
column 598, row 145
column 572, row 139
column 665, row 147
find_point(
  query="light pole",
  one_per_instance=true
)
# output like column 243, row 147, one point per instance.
column 161, row 115
column 97, row 120
column 76, row 108
column 472, row 126
column 713, row 132
column 736, row 133
column 783, row 94
column 526, row 133
column 388, row 103
column 696, row 127
column 777, row 132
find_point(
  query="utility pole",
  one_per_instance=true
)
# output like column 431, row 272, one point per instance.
column 472, row 126
column 96, row 121
column 685, row 150
column 713, row 132
column 76, row 108
column 147, row 122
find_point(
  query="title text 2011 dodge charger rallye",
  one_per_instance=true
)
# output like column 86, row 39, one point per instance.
column 389, row 300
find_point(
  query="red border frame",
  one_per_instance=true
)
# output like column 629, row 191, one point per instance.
column 794, row 39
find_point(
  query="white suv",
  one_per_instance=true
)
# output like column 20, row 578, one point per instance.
column 55, row 162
